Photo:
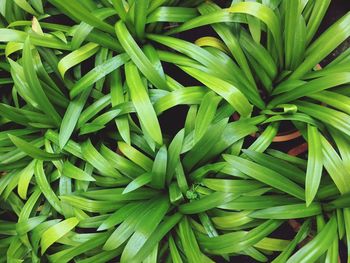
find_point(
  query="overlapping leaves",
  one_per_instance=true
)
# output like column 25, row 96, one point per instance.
column 88, row 173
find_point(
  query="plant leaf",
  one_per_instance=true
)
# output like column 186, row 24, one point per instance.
column 315, row 164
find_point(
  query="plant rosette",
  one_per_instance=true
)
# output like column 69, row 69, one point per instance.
column 91, row 173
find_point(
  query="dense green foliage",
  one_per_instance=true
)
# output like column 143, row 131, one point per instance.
column 88, row 173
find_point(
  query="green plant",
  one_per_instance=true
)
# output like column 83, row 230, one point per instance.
column 87, row 173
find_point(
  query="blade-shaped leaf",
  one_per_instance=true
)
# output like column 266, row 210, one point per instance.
column 32, row 150
column 57, row 231
column 315, row 164
column 317, row 246
column 265, row 175
column 142, row 103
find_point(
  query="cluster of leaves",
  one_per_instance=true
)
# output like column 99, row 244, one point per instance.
column 87, row 173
